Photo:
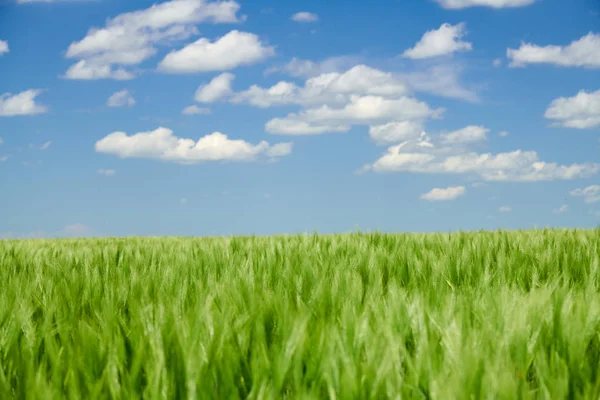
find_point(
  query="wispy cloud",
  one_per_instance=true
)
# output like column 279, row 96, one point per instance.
column 305, row 16
column 106, row 172
column 446, row 194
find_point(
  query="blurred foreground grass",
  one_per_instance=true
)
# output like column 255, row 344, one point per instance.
column 501, row 315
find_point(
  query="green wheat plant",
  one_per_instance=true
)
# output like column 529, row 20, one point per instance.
column 487, row 315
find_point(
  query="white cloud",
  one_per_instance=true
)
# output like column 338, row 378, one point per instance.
column 106, row 172
column 394, row 132
column 330, row 88
column 1, row 141
column 285, row 126
column 3, row 47
column 218, row 88
column 328, row 85
column 85, row 70
column 433, row 155
column 561, row 209
column 45, row 145
column 281, row 93
column 584, row 52
column 133, row 37
column 581, row 111
column 439, row 42
column 497, row 62
column 309, row 69
column 304, row 16
column 370, row 109
column 478, row 185
column 161, row 144
column 504, row 209
column 5, row 158
column 233, row 50
column 590, row 194
column 121, row 99
column 458, row 4
column 503, row 134
column 469, row 134
column 361, row 110
column 195, row 110
column 280, row 150
column 183, row 201
column 449, row 193
column 21, row 104
column 441, row 80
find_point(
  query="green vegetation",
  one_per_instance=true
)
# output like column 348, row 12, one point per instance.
column 502, row 315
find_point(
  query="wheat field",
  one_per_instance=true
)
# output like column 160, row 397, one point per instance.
column 486, row 315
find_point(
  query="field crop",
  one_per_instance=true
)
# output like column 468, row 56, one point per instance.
column 494, row 315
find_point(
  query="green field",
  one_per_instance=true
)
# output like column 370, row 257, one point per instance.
column 496, row 315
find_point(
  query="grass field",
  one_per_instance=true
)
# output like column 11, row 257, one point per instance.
column 502, row 315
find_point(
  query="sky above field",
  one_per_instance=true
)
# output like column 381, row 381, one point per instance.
column 197, row 117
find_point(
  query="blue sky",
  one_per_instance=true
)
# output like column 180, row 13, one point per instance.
column 198, row 117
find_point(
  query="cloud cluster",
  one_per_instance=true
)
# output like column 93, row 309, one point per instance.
column 451, row 154
column 335, row 101
column 22, row 103
column 334, row 97
column 131, row 38
column 440, row 42
column 441, row 79
column 332, row 88
column 581, row 111
column 584, row 52
column 161, row 144
column 360, row 110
